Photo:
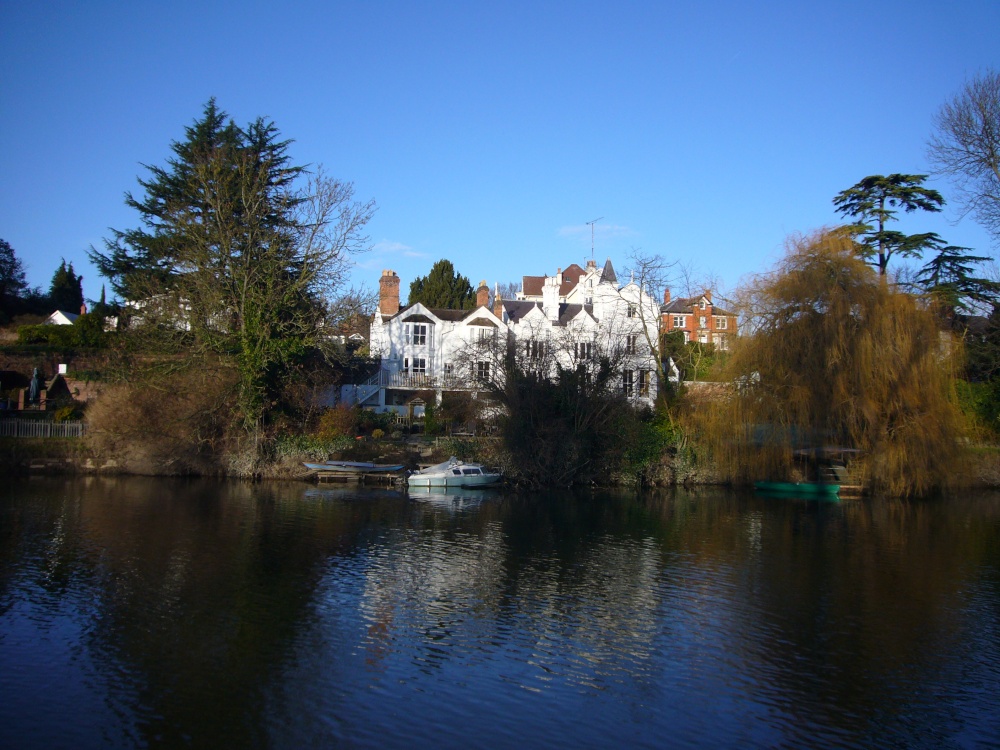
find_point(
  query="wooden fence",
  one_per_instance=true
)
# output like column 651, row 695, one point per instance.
column 37, row 428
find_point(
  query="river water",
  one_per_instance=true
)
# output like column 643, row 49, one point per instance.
column 166, row 613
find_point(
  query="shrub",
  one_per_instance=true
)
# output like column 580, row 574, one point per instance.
column 86, row 332
column 369, row 421
column 66, row 413
column 340, row 421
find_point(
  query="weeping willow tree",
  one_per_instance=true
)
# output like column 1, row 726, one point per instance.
column 834, row 356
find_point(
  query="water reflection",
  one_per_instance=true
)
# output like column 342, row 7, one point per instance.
column 193, row 612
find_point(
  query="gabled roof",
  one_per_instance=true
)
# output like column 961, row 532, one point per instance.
column 531, row 286
column 685, row 305
column 440, row 313
column 62, row 318
column 517, row 309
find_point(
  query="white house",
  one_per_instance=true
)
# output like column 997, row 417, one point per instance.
column 565, row 319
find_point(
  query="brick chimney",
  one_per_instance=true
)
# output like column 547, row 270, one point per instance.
column 83, row 309
column 497, row 302
column 388, row 293
column 666, row 296
column 482, row 294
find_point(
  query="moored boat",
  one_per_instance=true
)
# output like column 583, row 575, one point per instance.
column 354, row 467
column 453, row 473
column 810, row 489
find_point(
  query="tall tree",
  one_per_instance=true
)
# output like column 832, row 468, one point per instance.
column 874, row 202
column 12, row 279
column 443, row 288
column 66, row 290
column 966, row 147
column 142, row 262
column 240, row 252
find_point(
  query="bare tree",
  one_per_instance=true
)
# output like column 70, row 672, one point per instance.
column 966, row 147
column 653, row 275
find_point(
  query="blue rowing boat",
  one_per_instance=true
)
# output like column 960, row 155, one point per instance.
column 802, row 489
column 354, row 467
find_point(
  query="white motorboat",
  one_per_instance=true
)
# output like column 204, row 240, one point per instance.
column 453, row 473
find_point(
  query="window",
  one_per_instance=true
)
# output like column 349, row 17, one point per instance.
column 678, row 321
column 644, row 383
column 534, row 349
column 632, row 311
column 588, row 300
column 687, row 337
column 703, row 337
column 415, row 366
column 630, row 344
column 416, row 334
column 702, row 321
column 721, row 322
column 482, row 371
column 628, row 384
column 486, row 335
column 449, row 369
column 584, row 350
column 702, row 304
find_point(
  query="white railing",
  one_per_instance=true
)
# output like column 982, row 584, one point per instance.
column 36, row 428
column 418, row 381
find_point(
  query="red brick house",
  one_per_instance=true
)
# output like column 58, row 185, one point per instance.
column 698, row 318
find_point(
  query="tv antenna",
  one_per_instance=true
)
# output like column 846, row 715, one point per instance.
column 591, row 223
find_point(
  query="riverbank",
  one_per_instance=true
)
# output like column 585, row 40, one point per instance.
column 22, row 456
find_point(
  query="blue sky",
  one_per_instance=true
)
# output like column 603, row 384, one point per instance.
column 489, row 134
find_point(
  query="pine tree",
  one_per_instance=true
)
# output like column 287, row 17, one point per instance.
column 875, row 199
column 66, row 290
column 443, row 288
column 234, row 256
column 142, row 262
column 12, row 278
column 948, row 278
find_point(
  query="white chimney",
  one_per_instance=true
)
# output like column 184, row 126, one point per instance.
column 550, row 297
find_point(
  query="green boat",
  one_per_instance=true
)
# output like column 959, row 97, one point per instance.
column 807, row 489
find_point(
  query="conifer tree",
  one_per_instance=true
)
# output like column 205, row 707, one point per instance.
column 239, row 254
column 12, row 278
column 874, row 201
column 66, row 290
column 443, row 288
column 949, row 278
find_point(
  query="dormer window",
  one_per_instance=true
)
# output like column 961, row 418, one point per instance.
column 702, row 305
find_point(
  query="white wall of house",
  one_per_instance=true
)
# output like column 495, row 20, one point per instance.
column 419, row 347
